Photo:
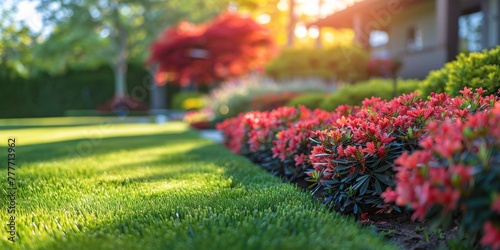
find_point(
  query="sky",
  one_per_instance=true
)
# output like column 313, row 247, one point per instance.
column 27, row 12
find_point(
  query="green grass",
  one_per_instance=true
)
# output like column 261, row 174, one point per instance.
column 149, row 186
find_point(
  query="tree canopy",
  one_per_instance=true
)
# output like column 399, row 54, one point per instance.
column 92, row 32
column 16, row 41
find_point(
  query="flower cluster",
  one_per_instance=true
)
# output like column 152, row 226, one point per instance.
column 199, row 119
column 456, row 169
column 440, row 151
column 353, row 163
column 293, row 145
column 254, row 133
column 234, row 132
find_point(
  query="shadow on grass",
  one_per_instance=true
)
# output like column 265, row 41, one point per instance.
column 163, row 212
column 69, row 149
column 198, row 161
column 236, row 208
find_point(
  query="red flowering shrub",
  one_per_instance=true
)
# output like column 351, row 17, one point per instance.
column 252, row 134
column 199, row 119
column 293, row 145
column 457, row 169
column 123, row 105
column 446, row 152
column 353, row 163
column 234, row 133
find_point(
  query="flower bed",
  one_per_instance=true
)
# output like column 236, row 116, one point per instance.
column 349, row 154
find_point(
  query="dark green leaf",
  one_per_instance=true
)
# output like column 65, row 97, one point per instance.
column 378, row 187
column 364, row 187
column 385, row 179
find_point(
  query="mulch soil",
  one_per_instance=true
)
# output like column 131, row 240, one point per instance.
column 402, row 230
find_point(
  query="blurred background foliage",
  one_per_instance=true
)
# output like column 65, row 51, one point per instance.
column 342, row 63
column 70, row 60
column 73, row 60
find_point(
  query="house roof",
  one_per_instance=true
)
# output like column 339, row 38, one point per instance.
column 344, row 19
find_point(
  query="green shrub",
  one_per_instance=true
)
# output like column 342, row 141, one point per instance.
column 474, row 70
column 336, row 63
column 45, row 95
column 355, row 94
column 191, row 100
column 272, row 100
column 309, row 100
column 233, row 98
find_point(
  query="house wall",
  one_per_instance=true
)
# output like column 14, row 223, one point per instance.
column 492, row 25
column 416, row 64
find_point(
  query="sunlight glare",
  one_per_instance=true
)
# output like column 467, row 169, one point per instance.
column 329, row 37
column 311, row 7
column 283, row 5
column 314, row 32
column 263, row 18
column 300, row 30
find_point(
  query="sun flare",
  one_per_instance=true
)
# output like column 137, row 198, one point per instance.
column 314, row 8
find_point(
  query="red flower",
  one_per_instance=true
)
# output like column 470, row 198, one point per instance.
column 389, row 195
column 370, row 148
column 491, row 236
column 495, row 206
column 466, row 92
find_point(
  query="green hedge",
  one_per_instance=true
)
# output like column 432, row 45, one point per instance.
column 309, row 100
column 337, row 63
column 46, row 95
column 355, row 94
column 474, row 70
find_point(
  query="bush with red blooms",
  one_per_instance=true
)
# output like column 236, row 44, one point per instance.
column 446, row 152
column 293, row 145
column 457, row 170
column 234, row 132
column 253, row 134
column 353, row 163
column 199, row 119
column 123, row 105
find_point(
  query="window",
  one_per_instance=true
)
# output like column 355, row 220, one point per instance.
column 378, row 38
column 470, row 32
column 414, row 39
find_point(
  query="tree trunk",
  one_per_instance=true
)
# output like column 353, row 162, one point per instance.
column 120, row 63
column 120, row 69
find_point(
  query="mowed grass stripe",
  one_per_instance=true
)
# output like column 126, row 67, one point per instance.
column 148, row 186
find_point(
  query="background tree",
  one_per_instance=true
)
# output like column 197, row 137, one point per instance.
column 91, row 32
column 229, row 46
column 16, row 40
column 276, row 15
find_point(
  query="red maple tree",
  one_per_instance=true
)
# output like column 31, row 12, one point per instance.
column 229, row 46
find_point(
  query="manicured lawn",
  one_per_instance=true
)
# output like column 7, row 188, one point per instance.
column 149, row 186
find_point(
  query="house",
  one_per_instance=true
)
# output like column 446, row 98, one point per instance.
column 423, row 34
